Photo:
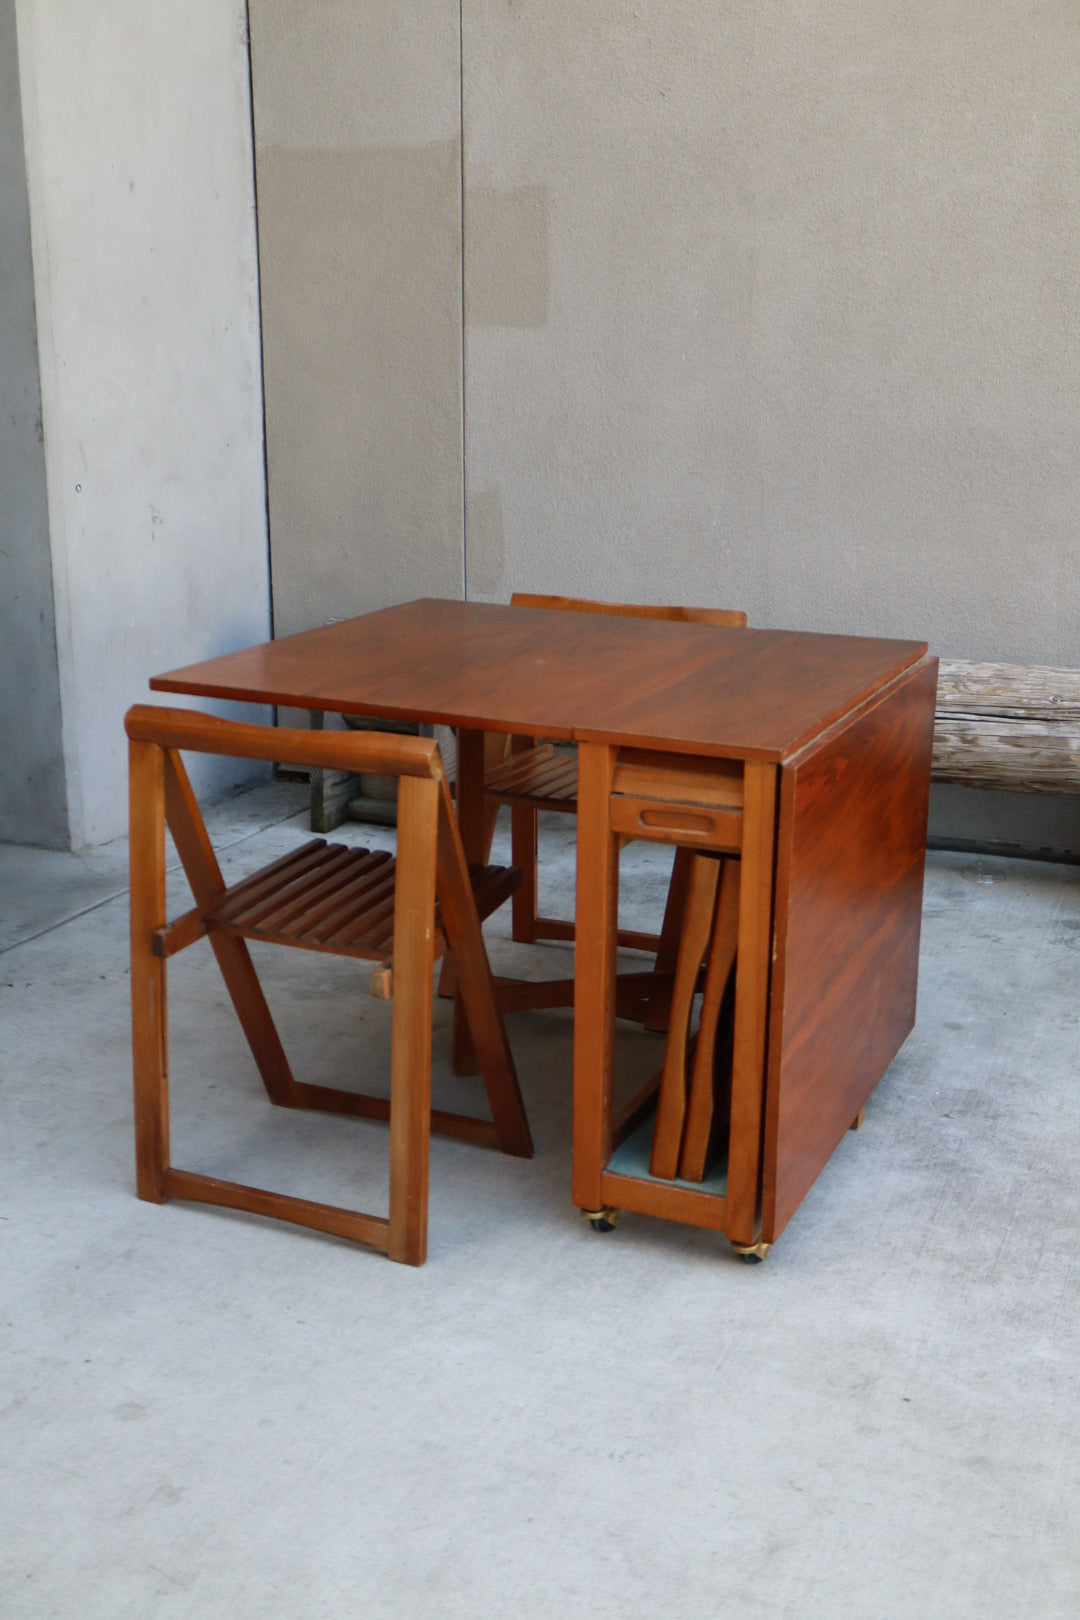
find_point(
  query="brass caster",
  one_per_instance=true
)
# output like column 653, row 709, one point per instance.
column 752, row 1253
column 602, row 1220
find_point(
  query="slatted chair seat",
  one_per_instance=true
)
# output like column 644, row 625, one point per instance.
column 402, row 912
column 542, row 778
column 330, row 897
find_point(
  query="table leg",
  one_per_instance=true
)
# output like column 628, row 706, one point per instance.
column 470, row 814
column 751, row 999
column 594, row 972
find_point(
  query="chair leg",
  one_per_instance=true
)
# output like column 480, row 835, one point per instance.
column 496, row 748
column 524, row 854
column 705, row 1112
column 475, row 994
column 410, row 1062
column 524, row 847
column 233, row 958
column 671, row 1109
column 148, row 1012
column 667, row 954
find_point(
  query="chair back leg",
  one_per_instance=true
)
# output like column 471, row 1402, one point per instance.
column 475, row 990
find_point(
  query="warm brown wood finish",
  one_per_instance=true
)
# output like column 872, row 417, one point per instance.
column 689, row 688
column 697, row 932
column 540, row 777
column 753, row 953
column 810, row 756
column 851, row 853
column 146, row 838
column 701, row 1106
column 729, row 618
column 400, row 913
column 594, row 972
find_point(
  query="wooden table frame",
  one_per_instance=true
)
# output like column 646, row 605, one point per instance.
column 832, row 736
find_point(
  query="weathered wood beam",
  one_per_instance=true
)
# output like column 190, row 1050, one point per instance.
column 1010, row 726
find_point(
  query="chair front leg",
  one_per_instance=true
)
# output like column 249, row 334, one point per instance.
column 410, row 1061
column 146, row 785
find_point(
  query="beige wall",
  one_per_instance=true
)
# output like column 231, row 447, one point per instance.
column 797, row 327
column 767, row 305
column 358, row 162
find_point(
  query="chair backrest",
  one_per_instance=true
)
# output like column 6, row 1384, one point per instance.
column 724, row 618
column 374, row 752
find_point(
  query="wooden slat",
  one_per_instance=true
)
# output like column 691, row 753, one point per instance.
column 697, row 930
column 701, row 1103
column 542, row 775
column 319, row 914
column 267, row 878
column 344, row 1223
column 278, row 904
column 347, row 913
column 301, row 905
column 367, row 922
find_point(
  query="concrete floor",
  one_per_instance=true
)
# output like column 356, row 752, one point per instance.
column 205, row 1415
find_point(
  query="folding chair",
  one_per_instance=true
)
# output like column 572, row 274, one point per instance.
column 400, row 914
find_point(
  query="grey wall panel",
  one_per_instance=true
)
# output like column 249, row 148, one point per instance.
column 33, row 795
column 357, row 124
column 808, row 341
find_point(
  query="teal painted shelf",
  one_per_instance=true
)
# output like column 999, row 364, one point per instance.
column 631, row 1158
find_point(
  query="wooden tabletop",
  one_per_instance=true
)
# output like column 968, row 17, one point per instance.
column 740, row 694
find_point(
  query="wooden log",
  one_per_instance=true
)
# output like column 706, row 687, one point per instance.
column 1011, row 726
column 1033, row 756
column 1010, row 691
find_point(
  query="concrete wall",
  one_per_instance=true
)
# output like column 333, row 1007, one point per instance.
column 357, row 125
column 775, row 306
column 33, row 799
column 138, row 146
column 791, row 321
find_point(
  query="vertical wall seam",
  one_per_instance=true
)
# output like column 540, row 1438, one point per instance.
column 259, row 318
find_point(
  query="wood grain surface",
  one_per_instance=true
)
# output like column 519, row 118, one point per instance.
column 730, row 693
column 850, row 857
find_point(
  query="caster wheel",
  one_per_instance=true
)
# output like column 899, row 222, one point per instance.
column 602, row 1220
column 751, row 1254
